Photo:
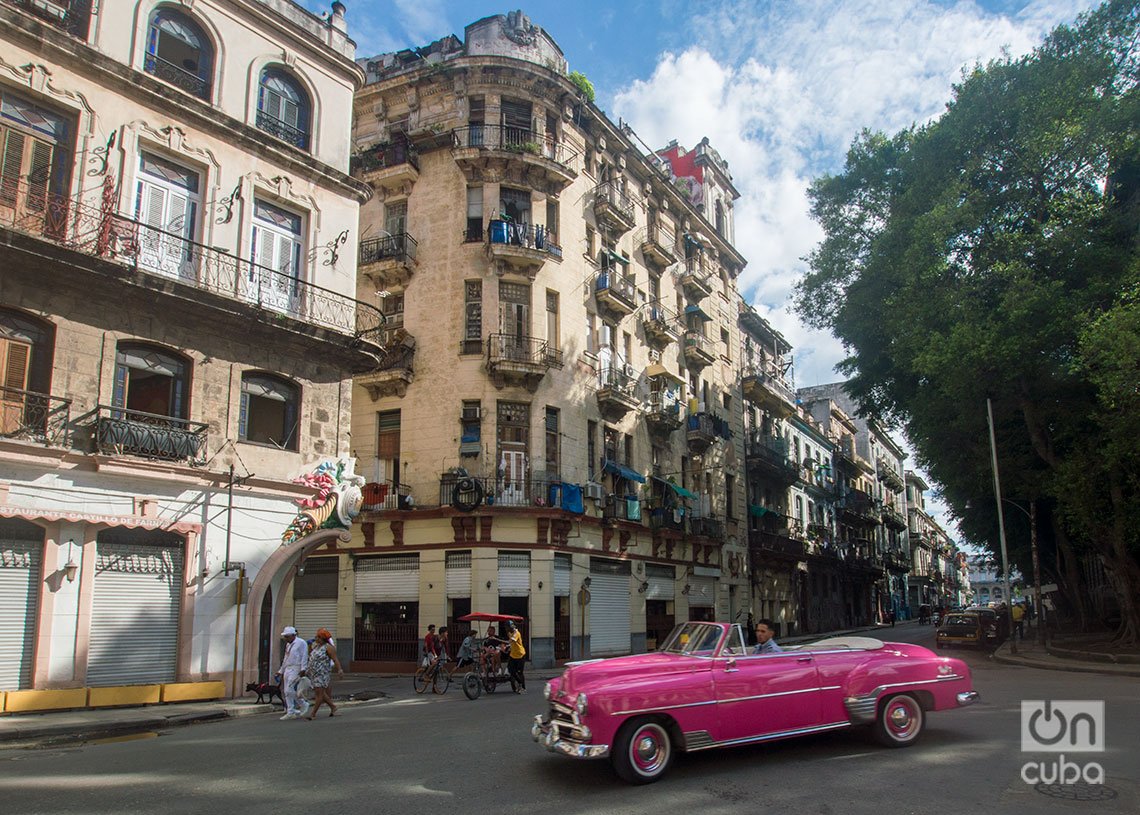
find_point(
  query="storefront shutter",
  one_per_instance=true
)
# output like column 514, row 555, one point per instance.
column 702, row 591
column 310, row 615
column 609, row 607
column 457, row 573
column 562, row 569
column 387, row 578
column 661, row 580
column 19, row 598
column 514, row 574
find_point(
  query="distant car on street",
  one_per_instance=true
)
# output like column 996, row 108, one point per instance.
column 705, row 688
column 961, row 628
column 995, row 624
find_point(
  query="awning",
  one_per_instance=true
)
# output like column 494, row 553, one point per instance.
column 616, row 257
column 759, row 511
column 681, row 491
column 657, row 369
column 623, row 471
column 697, row 310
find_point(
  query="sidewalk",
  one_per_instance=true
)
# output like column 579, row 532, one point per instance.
column 1031, row 654
column 91, row 724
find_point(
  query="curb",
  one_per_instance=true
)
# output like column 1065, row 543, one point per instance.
column 1060, row 664
column 1093, row 656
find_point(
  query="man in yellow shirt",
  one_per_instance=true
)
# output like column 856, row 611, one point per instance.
column 517, row 658
column 1018, row 612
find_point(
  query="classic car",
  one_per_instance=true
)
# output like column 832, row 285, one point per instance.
column 963, row 628
column 704, row 688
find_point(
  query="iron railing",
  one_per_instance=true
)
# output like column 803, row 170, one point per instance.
column 528, row 236
column 72, row 16
column 386, row 642
column 772, row 454
column 382, row 156
column 615, row 378
column 498, row 491
column 509, row 348
column 385, row 495
column 701, row 424
column 398, row 356
column 893, row 518
column 762, row 541
column 621, row 508
column 707, row 527
column 859, row 505
column 34, row 416
column 296, row 136
column 661, row 319
column 118, row 431
column 521, row 140
column 889, row 476
column 770, row 376
column 178, row 77
column 656, row 235
column 618, row 286
column 400, row 247
column 663, row 405
column 696, row 341
column 98, row 231
column 608, row 192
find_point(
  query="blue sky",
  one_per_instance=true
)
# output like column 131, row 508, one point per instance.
column 780, row 88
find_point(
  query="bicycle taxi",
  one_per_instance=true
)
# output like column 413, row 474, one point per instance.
column 483, row 675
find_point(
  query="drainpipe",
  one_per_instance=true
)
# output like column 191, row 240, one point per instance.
column 237, row 626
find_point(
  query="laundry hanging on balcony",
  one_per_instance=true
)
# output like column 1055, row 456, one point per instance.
column 698, row 312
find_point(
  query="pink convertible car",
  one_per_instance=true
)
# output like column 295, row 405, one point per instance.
column 704, row 688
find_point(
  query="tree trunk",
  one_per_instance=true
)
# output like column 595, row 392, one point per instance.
column 1070, row 572
column 1123, row 570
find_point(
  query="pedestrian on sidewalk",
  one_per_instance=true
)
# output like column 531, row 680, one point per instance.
column 517, row 657
column 294, row 663
column 322, row 659
column 1018, row 612
column 766, row 638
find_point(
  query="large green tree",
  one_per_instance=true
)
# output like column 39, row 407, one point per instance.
column 992, row 254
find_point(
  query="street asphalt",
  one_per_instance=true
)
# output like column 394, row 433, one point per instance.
column 407, row 753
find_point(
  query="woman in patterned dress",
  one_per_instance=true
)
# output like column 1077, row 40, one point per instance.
column 322, row 659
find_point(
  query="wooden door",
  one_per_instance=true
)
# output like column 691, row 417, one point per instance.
column 14, row 360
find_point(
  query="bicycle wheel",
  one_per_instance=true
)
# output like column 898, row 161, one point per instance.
column 421, row 679
column 472, row 687
column 441, row 681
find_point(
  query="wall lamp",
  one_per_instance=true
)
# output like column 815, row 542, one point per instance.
column 685, row 591
column 70, row 568
column 488, row 584
column 586, row 582
column 642, row 588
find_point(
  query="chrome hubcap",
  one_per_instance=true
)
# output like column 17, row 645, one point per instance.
column 902, row 719
column 649, row 750
column 899, row 717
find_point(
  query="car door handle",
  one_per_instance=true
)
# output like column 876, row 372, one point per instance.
column 804, row 659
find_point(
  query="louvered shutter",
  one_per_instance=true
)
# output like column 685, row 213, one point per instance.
column 11, row 166
column 39, row 175
column 273, row 103
column 19, row 598
column 14, row 357
column 609, row 607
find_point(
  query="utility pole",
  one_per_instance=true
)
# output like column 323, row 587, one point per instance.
column 1036, row 573
column 1001, row 530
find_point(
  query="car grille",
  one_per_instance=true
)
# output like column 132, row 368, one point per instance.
column 562, row 719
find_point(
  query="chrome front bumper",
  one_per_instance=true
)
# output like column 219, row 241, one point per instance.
column 547, row 733
column 967, row 698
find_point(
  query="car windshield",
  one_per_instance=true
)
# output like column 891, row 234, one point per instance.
column 692, row 639
column 961, row 621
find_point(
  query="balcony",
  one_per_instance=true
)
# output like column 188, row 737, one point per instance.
column 858, row 507
column 394, row 372
column 621, row 508
column 615, row 293
column 897, row 562
column 613, row 208
column 35, row 417
column 701, row 431
column 118, row 432
column 889, row 477
column 177, row 76
column 663, row 413
column 699, row 352
column 128, row 252
column 767, row 456
column 819, row 534
column 770, row 545
column 385, row 496
column 661, row 326
column 288, row 133
column 521, row 361
column 656, row 245
column 893, row 518
column 667, row 519
column 468, row 491
column 707, row 527
column 766, row 387
column 390, row 261
column 521, row 248
column 72, row 16
column 695, row 281
column 478, row 149
column 617, row 391
column 393, row 166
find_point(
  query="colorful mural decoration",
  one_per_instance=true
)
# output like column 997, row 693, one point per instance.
column 336, row 504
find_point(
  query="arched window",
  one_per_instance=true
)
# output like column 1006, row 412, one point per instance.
column 269, row 411
column 283, row 108
column 26, row 351
column 151, row 381
column 178, row 52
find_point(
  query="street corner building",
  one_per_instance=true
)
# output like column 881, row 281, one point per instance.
column 178, row 331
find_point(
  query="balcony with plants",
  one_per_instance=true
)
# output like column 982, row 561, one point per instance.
column 482, row 147
column 613, row 208
column 392, row 166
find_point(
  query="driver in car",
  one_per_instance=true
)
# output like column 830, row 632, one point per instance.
column 766, row 638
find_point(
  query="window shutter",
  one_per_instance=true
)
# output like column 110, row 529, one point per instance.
column 179, row 219
column 273, row 103
column 39, row 175
column 119, row 396
column 291, row 422
column 263, row 247
column 11, row 163
column 290, row 113
column 15, row 356
column 243, row 417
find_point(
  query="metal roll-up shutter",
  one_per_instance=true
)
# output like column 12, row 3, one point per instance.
column 702, row 591
column 562, row 569
column 19, row 601
column 457, row 573
column 514, row 574
column 387, row 578
column 609, row 607
column 135, row 610
column 311, row 615
column 661, row 580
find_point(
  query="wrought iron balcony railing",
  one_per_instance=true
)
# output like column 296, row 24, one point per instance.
column 382, row 156
column 118, row 431
column 26, row 206
column 385, row 496
column 34, row 416
column 519, row 140
column 460, row 490
column 617, row 379
column 72, row 16
column 399, row 247
column 283, row 130
column 769, row 375
column 178, row 77
column 707, row 527
column 528, row 236
column 509, row 348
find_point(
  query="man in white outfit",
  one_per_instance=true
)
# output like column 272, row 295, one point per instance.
column 293, row 664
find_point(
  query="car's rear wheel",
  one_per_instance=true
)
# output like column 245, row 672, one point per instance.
column 900, row 721
column 642, row 751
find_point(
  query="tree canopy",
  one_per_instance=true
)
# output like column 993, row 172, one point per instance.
column 992, row 253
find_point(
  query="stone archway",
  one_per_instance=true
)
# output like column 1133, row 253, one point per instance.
column 275, row 575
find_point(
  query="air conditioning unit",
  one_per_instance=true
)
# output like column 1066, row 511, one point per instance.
column 594, row 490
column 629, row 370
column 472, row 413
column 654, row 355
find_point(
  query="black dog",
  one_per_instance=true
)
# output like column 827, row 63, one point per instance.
column 263, row 689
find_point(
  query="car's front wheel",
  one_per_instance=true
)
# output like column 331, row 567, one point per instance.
column 900, row 721
column 642, row 751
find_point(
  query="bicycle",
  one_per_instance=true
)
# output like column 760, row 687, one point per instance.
column 435, row 674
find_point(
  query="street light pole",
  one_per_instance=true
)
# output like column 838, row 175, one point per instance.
column 1001, row 529
column 1036, row 573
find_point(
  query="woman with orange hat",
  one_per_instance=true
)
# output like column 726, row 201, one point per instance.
column 322, row 659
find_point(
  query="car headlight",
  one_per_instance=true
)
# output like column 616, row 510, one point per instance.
column 580, row 704
column 546, row 692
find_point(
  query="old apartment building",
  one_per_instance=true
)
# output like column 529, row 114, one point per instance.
column 555, row 431
column 178, row 325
